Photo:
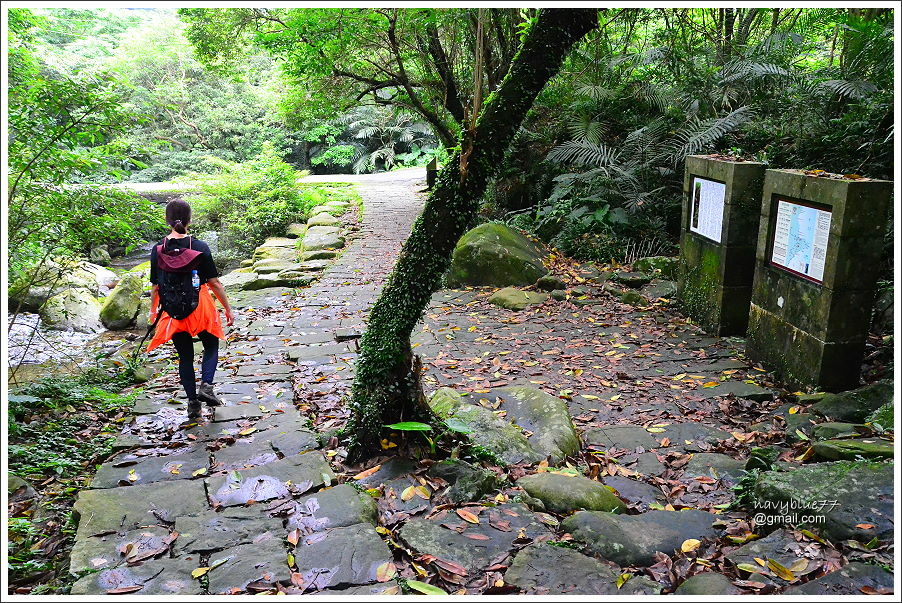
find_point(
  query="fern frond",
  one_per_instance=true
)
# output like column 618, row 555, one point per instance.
column 850, row 89
column 584, row 153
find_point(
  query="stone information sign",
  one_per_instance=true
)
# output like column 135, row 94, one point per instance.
column 721, row 210
column 820, row 245
column 707, row 208
column 801, row 235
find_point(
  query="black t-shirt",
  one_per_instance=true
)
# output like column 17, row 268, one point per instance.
column 206, row 269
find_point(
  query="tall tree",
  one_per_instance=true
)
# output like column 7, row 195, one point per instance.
column 432, row 62
column 387, row 386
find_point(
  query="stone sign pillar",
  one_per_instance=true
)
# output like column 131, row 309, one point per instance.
column 819, row 249
column 431, row 173
column 721, row 201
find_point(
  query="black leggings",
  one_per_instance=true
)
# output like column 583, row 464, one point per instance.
column 184, row 345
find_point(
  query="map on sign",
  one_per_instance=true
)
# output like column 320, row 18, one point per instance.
column 706, row 207
column 800, row 239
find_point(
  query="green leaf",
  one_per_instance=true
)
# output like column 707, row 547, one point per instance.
column 410, row 426
column 426, row 589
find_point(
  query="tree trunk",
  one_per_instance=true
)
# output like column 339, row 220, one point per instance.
column 387, row 380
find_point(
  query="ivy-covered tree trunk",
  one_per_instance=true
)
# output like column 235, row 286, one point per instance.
column 387, row 385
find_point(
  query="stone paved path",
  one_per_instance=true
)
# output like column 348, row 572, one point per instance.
column 242, row 492
column 258, row 494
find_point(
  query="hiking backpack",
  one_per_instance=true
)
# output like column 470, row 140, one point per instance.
column 178, row 295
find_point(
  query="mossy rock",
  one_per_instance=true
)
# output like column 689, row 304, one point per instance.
column 663, row 266
column 837, row 450
column 295, row 231
column 121, row 306
column 323, row 237
column 238, row 281
column 502, row 440
column 856, row 405
column 633, row 280
column 564, row 494
column 831, row 429
column 546, row 417
column 467, row 482
column 549, row 282
column 515, row 299
column 883, row 416
column 633, row 298
column 74, row 309
column 319, row 254
column 323, row 219
column 495, row 255
column 847, row 495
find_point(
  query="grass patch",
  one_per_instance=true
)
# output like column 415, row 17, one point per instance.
column 60, row 429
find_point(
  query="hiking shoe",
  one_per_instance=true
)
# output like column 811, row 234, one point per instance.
column 194, row 409
column 207, row 394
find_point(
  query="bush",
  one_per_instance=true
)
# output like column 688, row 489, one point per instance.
column 247, row 202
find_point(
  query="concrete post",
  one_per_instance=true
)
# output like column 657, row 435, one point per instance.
column 721, row 201
column 819, row 249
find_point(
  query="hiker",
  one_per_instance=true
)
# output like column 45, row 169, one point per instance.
column 183, row 275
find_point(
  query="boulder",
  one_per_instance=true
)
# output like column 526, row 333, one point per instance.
column 467, row 482
column 295, row 231
column 100, row 255
column 499, row 438
column 658, row 265
column 319, row 254
column 36, row 286
column 550, row 282
column 659, row 289
column 543, row 568
column 323, row 237
column 633, row 280
column 142, row 318
column 286, row 278
column 831, row 429
column 859, row 495
column 238, row 281
column 516, row 299
column 323, row 219
column 120, row 308
column 273, row 265
column 633, row 298
column 634, row 539
column 74, row 309
column 714, row 465
column 545, row 416
column 865, row 448
column 495, row 255
column 707, row 583
column 856, row 405
column 564, row 494
column 848, row 580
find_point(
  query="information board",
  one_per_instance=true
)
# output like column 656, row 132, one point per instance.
column 706, row 208
column 800, row 239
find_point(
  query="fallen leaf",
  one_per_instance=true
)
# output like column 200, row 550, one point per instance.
column 386, row 571
column 408, row 493
column 690, row 545
column 367, row 473
column 467, row 516
column 125, row 589
column 426, row 589
column 781, row 570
